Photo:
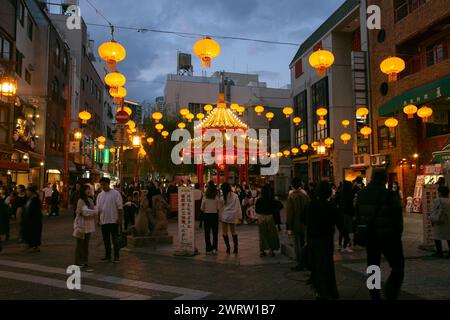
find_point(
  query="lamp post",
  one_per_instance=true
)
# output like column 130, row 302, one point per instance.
column 321, row 150
column 136, row 142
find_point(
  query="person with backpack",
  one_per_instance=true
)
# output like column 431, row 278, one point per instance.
column 440, row 221
column 379, row 220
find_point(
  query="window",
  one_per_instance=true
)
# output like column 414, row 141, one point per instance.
column 56, row 56
column 61, row 140
column 30, row 27
column 195, row 108
column 298, row 68
column 84, row 51
column 27, row 76
column 53, row 136
column 386, row 138
column 65, row 63
column 97, row 93
column 19, row 62
column 5, row 49
column 92, row 86
column 301, row 131
column 55, row 89
column 21, row 13
column 319, row 98
column 82, row 84
column 440, row 123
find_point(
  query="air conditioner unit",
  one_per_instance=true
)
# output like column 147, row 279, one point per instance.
column 379, row 160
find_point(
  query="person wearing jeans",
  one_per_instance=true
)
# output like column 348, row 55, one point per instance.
column 440, row 221
column 210, row 209
column 110, row 207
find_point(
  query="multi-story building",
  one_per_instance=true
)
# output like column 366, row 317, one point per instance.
column 341, row 90
column 137, row 112
column 194, row 92
column 416, row 31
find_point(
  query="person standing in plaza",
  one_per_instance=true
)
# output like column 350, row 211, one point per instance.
column 379, row 219
column 18, row 209
column 130, row 210
column 32, row 220
column 440, row 221
column 210, row 212
column 48, row 191
column 110, row 207
column 4, row 216
column 230, row 213
column 55, row 199
column 346, row 214
column 84, row 225
column 265, row 209
column 296, row 221
column 321, row 218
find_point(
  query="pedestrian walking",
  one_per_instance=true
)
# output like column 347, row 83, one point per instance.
column 265, row 209
column 321, row 218
column 296, row 221
column 130, row 209
column 379, row 221
column 346, row 215
column 55, row 199
column 84, row 226
column 230, row 213
column 440, row 221
column 48, row 191
column 277, row 212
column 32, row 220
column 18, row 209
column 210, row 212
column 4, row 217
column 110, row 207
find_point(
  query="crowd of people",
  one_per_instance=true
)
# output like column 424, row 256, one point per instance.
column 366, row 216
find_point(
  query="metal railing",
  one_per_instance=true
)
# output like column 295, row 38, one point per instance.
column 407, row 8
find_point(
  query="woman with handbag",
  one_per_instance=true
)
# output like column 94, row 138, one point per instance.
column 440, row 221
column 84, row 225
column 210, row 212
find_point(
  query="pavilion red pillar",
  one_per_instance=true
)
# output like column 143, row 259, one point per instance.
column 218, row 175
column 247, row 178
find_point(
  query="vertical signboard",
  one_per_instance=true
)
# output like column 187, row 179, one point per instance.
column 186, row 222
column 428, row 195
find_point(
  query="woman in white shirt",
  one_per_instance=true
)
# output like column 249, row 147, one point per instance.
column 230, row 213
column 84, row 225
column 210, row 209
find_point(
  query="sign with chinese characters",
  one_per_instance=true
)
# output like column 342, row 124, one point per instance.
column 429, row 194
column 186, row 222
column 74, row 147
column 417, row 199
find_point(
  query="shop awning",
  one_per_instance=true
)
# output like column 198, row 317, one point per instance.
column 420, row 95
column 57, row 163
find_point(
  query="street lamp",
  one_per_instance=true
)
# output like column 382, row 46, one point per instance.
column 8, row 86
column 136, row 141
column 78, row 135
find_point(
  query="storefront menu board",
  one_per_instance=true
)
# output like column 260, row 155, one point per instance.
column 428, row 195
column 186, row 222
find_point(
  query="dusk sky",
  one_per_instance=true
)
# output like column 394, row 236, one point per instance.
column 151, row 56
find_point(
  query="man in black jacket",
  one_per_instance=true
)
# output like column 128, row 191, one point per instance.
column 381, row 211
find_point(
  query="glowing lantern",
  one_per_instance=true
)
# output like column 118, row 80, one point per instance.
column 362, row 113
column 345, row 137
column 112, row 150
column 136, row 141
column 159, row 127
column 206, row 49
column 118, row 94
column 150, row 140
column 315, row 144
column 126, row 109
column 345, row 123
column 424, row 113
column 279, row 154
column 392, row 66
column 157, row 116
column 184, row 112
column 142, row 152
column 321, row 149
column 286, row 153
column 321, row 60
column 112, row 52
column 410, row 110
column 321, row 112
column 115, row 80
column 84, row 116
column 234, row 107
column 208, row 108
column 304, row 147
column 259, row 110
column 8, row 86
column 165, row 134
column 391, row 123
column 78, row 135
column 294, row 151
column 322, row 123
column 328, row 142
column 241, row 110
column 131, row 124
column 101, row 146
column 269, row 116
column 366, row 131
column 189, row 117
column 288, row 111
column 297, row 120
column 200, row 116
column 101, row 139
column 181, row 125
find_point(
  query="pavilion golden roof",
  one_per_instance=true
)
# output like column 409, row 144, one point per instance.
column 222, row 117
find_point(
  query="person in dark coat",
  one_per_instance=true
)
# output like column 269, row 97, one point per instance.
column 265, row 208
column 321, row 218
column 55, row 202
column 18, row 209
column 32, row 220
column 4, row 216
column 379, row 213
column 346, row 214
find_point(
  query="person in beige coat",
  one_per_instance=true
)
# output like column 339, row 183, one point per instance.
column 440, row 221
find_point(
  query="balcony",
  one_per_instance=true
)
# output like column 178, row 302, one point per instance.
column 439, row 53
column 406, row 7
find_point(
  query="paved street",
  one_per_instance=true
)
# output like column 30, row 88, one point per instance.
column 154, row 273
